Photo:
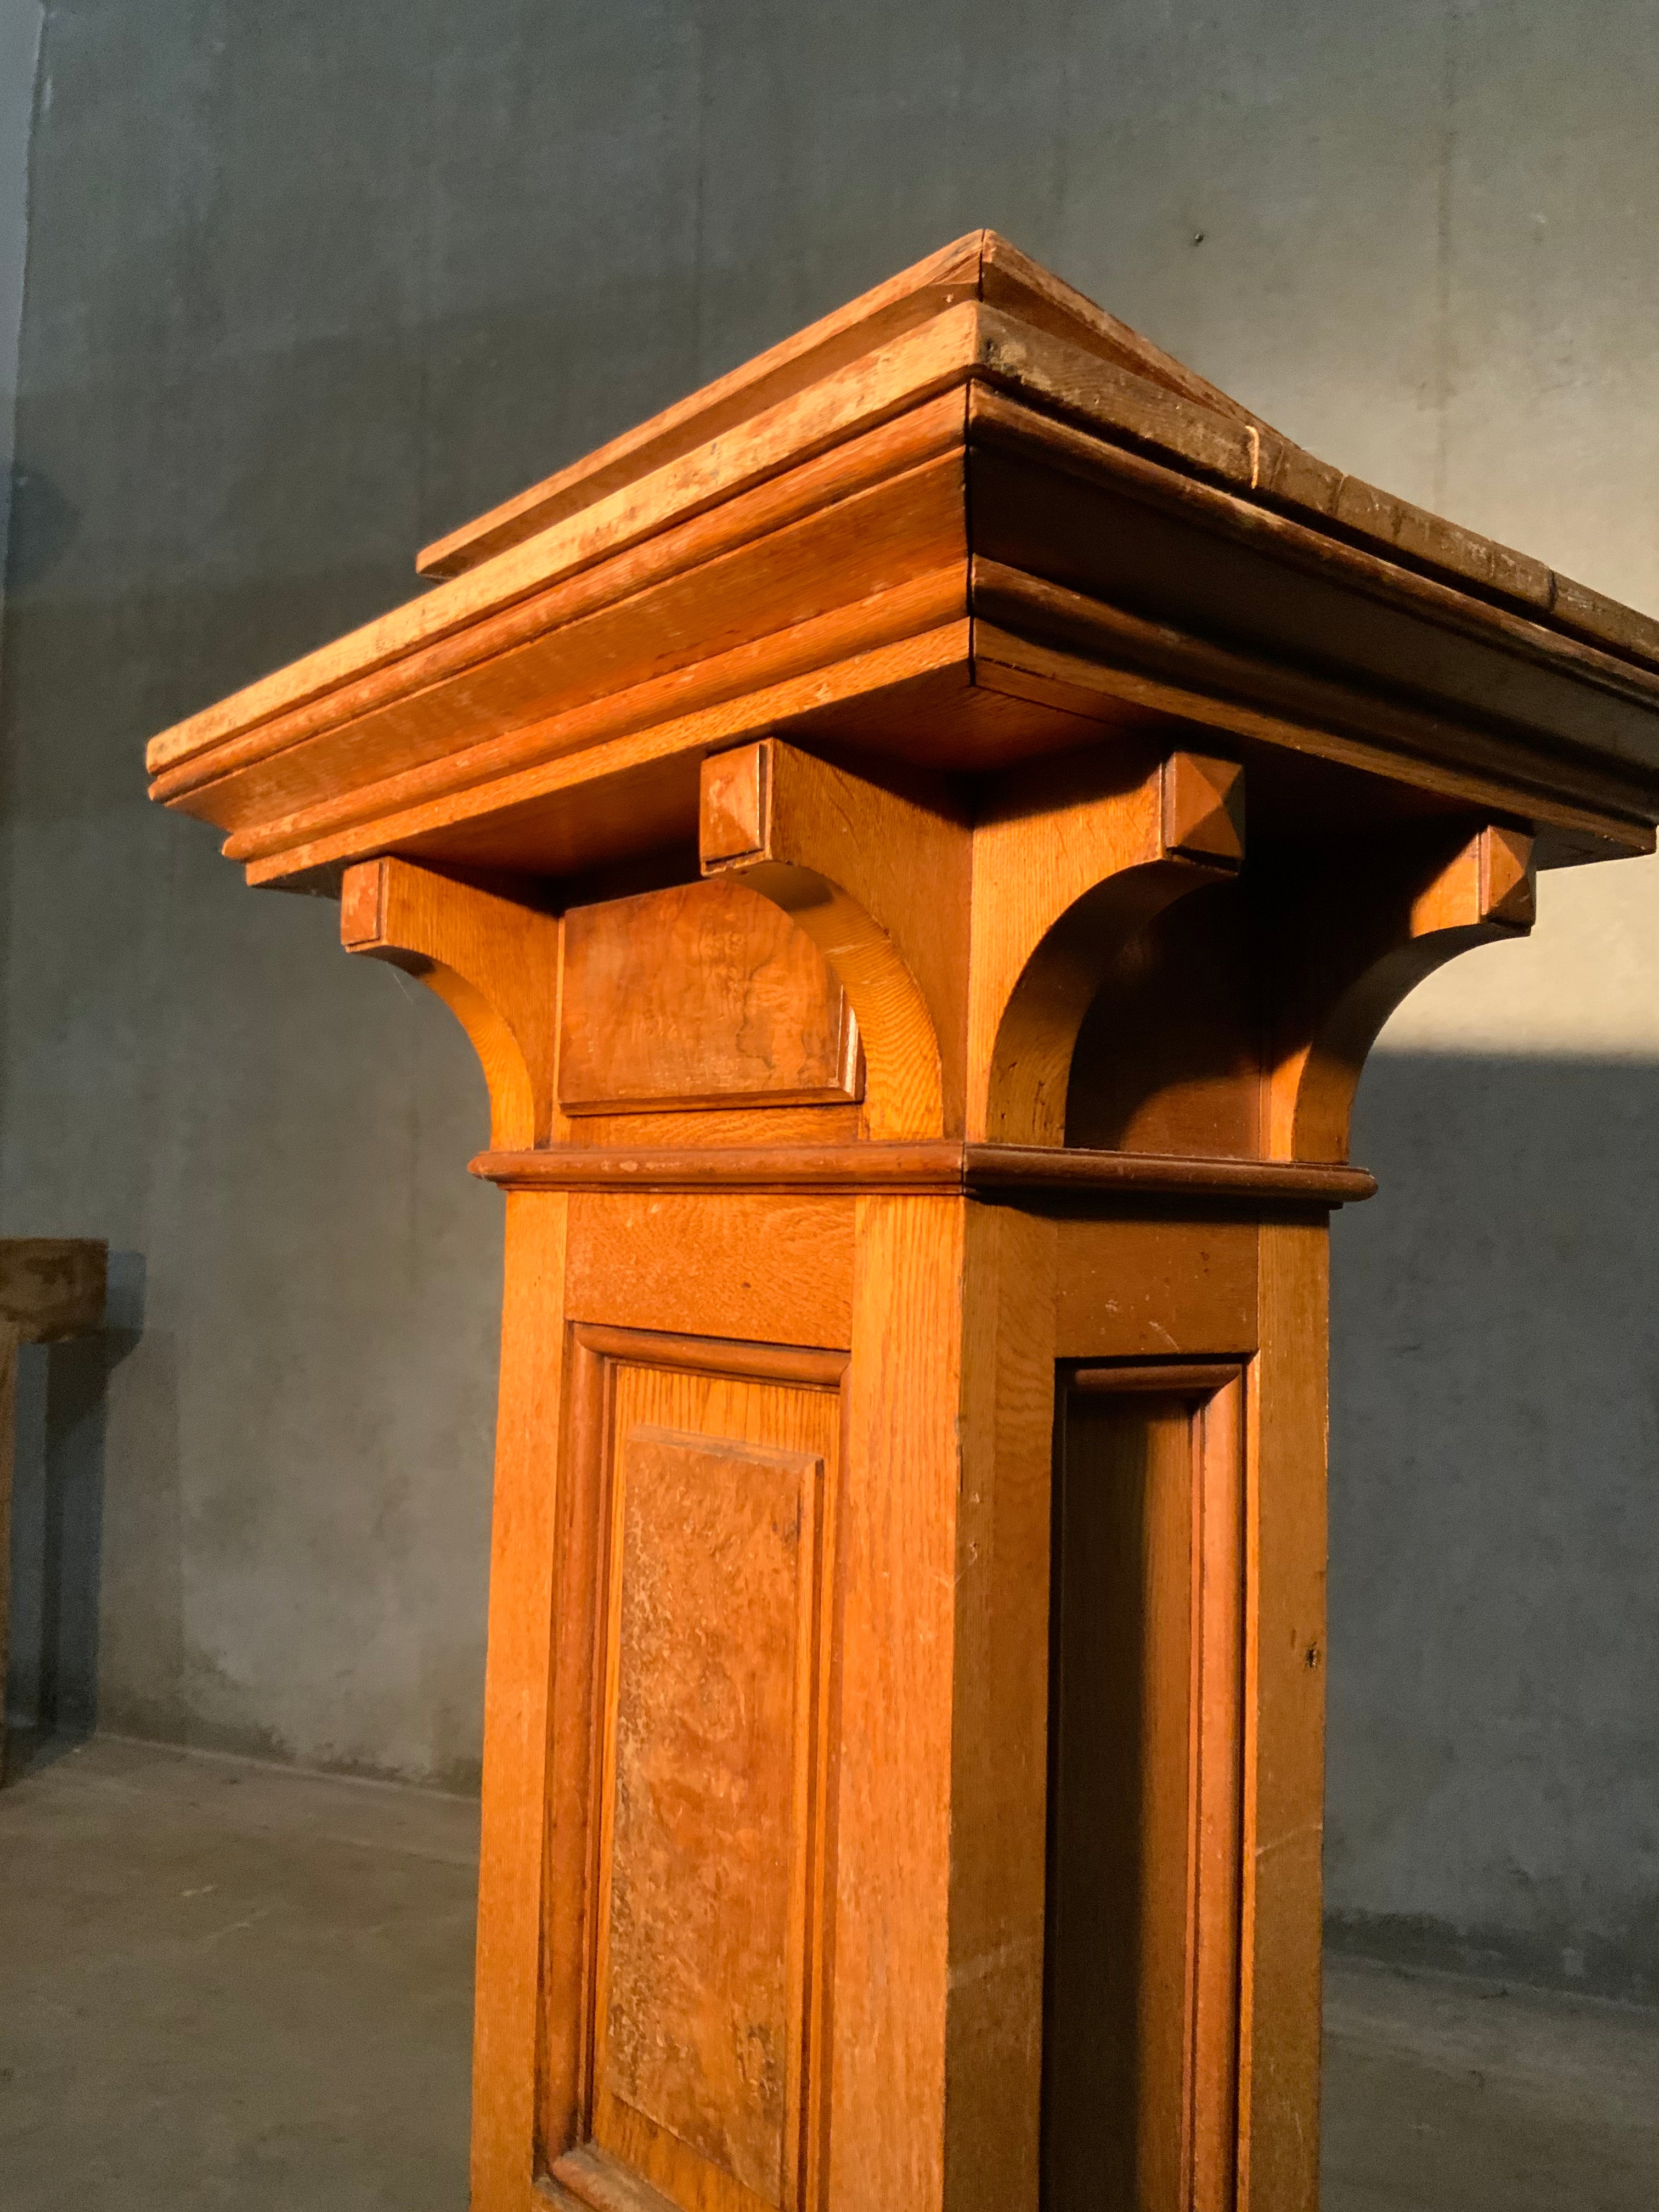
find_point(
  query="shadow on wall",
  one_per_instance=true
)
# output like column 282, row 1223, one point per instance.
column 58, row 1511
column 1493, row 1751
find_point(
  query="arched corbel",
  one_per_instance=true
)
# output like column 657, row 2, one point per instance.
column 493, row 962
column 879, row 884
column 1345, row 949
column 1061, row 878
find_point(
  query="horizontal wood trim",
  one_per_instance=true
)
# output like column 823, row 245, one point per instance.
column 588, row 2178
column 1090, row 651
column 968, row 1168
column 611, row 738
column 725, row 634
column 1034, row 1167
column 981, row 266
column 1492, row 608
column 1179, row 1378
column 713, row 1355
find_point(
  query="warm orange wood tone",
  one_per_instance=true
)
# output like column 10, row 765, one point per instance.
column 702, row 1478
column 50, row 1288
column 732, row 804
column 710, row 1779
column 920, row 1082
column 701, row 996
column 1140, row 2103
column 765, row 1268
column 1204, row 808
column 494, row 963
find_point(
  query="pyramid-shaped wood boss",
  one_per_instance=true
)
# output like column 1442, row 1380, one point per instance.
column 920, row 1092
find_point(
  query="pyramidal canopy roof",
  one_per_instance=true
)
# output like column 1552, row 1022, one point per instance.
column 795, row 545
column 984, row 269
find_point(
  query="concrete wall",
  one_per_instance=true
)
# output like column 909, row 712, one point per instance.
column 308, row 285
column 20, row 46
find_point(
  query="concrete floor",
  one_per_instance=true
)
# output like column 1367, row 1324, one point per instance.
column 1445, row 2092
column 224, row 1984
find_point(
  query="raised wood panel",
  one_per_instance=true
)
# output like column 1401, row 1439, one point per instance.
column 1139, row 2077
column 711, row 1697
column 702, row 995
column 717, row 1490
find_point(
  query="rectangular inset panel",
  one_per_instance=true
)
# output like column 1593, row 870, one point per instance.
column 702, row 2073
column 703, row 995
column 713, row 1647
column 1139, row 2077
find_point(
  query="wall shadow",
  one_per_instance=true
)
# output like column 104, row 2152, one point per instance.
column 57, row 1525
column 1493, row 1749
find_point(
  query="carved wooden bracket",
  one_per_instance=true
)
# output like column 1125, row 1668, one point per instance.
column 879, row 885
column 493, row 962
column 1353, row 940
column 971, row 952
column 1061, row 878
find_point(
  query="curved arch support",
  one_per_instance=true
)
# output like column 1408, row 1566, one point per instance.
column 1060, row 883
column 1030, row 1064
column 1355, row 942
column 970, row 952
column 493, row 962
column 879, row 885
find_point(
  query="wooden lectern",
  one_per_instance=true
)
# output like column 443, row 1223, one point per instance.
column 920, row 1094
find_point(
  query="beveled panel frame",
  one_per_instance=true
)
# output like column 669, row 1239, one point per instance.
column 1212, row 2160
column 573, row 2169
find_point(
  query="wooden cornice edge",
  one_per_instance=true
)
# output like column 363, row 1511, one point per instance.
column 967, row 1170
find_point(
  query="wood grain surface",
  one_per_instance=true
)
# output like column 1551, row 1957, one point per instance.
column 701, row 995
column 997, row 483
column 702, row 1479
column 712, row 1713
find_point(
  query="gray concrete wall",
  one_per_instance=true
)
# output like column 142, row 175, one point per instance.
column 308, row 285
column 19, row 46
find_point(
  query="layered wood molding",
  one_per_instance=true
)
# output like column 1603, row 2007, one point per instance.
column 922, row 836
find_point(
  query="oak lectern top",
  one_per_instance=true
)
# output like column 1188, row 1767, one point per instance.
column 920, row 1084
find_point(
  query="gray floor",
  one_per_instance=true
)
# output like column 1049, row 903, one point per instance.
column 228, row 1984
column 1444, row 2092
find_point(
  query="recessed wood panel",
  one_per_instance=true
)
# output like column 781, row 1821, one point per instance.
column 703, row 995
column 703, row 1947
column 1139, row 2065
column 713, row 1650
